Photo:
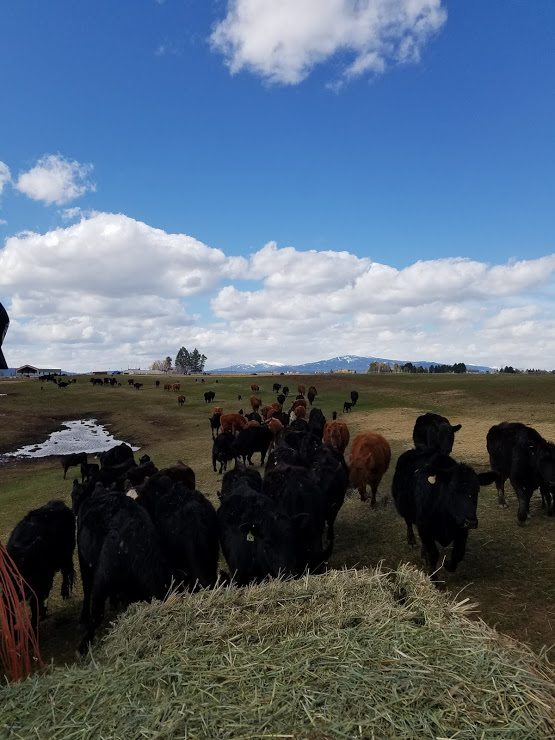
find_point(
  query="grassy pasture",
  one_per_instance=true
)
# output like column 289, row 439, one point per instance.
column 508, row 570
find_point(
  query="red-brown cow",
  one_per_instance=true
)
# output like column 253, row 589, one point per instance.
column 337, row 433
column 369, row 460
column 254, row 388
column 255, row 403
column 232, row 423
column 300, row 388
column 181, row 400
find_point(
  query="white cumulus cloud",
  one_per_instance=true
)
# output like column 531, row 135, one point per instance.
column 110, row 291
column 55, row 179
column 5, row 176
column 283, row 41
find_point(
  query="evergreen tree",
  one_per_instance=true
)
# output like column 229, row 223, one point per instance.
column 183, row 361
column 168, row 364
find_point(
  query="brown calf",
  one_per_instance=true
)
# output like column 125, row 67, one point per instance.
column 369, row 460
column 232, row 423
column 337, row 433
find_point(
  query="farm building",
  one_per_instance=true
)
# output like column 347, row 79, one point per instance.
column 38, row 371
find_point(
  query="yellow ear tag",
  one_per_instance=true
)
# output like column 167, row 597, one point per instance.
column 250, row 537
column 432, row 479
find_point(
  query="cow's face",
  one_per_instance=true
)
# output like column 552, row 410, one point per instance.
column 462, row 497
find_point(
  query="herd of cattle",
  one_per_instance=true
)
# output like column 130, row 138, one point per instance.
column 140, row 531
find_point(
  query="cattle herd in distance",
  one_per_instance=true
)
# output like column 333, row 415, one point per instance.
column 141, row 531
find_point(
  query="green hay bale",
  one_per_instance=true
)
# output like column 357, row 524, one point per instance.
column 351, row 654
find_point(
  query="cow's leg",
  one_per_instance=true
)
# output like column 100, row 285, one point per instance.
column 458, row 551
column 547, row 498
column 430, row 553
column 374, row 488
column 68, row 576
column 362, row 492
column 500, row 485
column 411, row 539
column 86, row 579
column 523, row 501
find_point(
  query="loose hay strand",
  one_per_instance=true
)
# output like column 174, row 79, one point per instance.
column 350, row 654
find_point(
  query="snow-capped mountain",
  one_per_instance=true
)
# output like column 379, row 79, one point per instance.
column 345, row 362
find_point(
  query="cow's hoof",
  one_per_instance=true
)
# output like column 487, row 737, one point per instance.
column 503, row 506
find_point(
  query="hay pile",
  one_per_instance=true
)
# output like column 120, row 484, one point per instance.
column 351, row 654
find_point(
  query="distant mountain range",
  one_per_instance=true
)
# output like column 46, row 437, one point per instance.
column 346, row 362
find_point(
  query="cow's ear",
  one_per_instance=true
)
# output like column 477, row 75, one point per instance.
column 486, row 479
column 456, row 428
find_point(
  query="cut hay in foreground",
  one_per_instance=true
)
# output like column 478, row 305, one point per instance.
column 351, row 654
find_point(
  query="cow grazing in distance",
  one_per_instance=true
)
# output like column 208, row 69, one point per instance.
column 347, row 406
column 257, row 538
column 276, row 387
column 439, row 496
column 176, row 387
column 158, row 384
column 254, row 388
column 40, row 545
column 181, row 400
column 137, row 385
column 434, row 431
column 209, row 396
column 72, row 460
column 519, row 453
column 354, row 397
column 337, row 434
column 369, row 460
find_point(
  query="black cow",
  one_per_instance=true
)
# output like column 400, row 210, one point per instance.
column 311, row 396
column 286, row 456
column 240, row 472
column 257, row 538
column 440, row 496
column 520, row 453
column 62, row 384
column 254, row 416
column 188, row 527
column 285, row 390
column 354, row 397
column 137, row 385
column 178, row 473
column 347, row 406
column 302, row 441
column 215, row 423
column 223, row 450
column 70, row 461
column 88, row 471
column 276, row 387
column 282, row 417
column 316, row 423
column 120, row 555
column 331, row 473
column 41, row 544
column 137, row 474
column 209, row 396
column 250, row 440
column 281, row 399
column 299, row 497
column 299, row 425
column 115, row 455
column 434, row 431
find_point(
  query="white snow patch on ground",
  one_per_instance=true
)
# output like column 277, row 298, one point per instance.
column 83, row 435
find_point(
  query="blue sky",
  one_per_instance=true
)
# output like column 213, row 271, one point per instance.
column 403, row 163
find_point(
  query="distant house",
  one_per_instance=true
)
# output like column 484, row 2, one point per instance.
column 37, row 371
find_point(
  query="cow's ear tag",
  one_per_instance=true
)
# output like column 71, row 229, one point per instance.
column 431, row 479
column 250, row 537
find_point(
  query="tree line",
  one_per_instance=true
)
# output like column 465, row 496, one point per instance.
column 185, row 362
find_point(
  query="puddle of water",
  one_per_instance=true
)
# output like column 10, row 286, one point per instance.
column 84, row 435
